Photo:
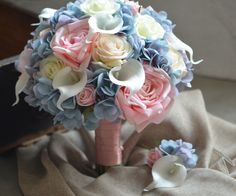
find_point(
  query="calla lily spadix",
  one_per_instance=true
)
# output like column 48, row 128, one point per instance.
column 131, row 74
column 177, row 44
column 69, row 82
column 104, row 23
column 167, row 172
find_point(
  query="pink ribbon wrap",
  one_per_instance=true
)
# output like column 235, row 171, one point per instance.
column 107, row 142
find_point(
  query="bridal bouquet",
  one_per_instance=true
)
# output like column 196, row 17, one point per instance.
column 95, row 63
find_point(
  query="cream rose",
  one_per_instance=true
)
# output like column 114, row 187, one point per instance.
column 111, row 50
column 50, row 66
column 93, row 7
column 148, row 28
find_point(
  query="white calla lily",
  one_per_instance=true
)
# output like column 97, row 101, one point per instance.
column 177, row 44
column 131, row 74
column 104, row 23
column 23, row 62
column 167, row 172
column 69, row 82
column 20, row 85
column 46, row 14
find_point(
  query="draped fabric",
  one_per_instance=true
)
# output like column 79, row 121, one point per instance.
column 62, row 164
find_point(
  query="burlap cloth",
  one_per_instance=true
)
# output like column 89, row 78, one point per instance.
column 61, row 165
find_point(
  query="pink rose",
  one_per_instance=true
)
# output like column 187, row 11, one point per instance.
column 69, row 44
column 153, row 156
column 87, row 96
column 151, row 103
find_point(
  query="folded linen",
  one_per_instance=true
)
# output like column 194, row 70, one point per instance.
column 63, row 163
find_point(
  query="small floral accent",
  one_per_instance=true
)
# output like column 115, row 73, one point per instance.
column 182, row 149
column 170, row 163
column 87, row 96
column 153, row 155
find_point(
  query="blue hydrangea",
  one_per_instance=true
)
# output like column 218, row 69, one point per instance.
column 70, row 118
column 41, row 48
column 37, row 90
column 104, row 87
column 128, row 19
column 107, row 110
column 182, row 149
column 43, row 25
column 168, row 146
column 66, row 15
column 160, row 45
column 40, row 93
column 103, row 110
column 156, row 54
column 160, row 17
column 137, row 44
column 30, row 97
column 91, row 122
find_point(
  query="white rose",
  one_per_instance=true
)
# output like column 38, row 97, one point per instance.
column 92, row 7
column 148, row 28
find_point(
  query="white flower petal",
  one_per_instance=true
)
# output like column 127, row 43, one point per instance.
column 93, row 7
column 20, row 85
column 131, row 75
column 148, row 28
column 177, row 44
column 46, row 14
column 104, row 23
column 167, row 172
column 69, row 83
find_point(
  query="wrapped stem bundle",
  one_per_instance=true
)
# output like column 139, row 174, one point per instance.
column 107, row 142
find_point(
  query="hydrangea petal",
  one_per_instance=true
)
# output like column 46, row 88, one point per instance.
column 104, row 23
column 69, row 83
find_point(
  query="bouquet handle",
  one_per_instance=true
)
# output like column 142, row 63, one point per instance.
column 107, row 143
